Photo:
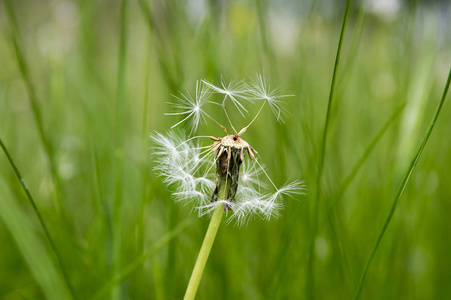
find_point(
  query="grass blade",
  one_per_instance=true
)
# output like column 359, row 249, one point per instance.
column 119, row 140
column 341, row 237
column 261, row 8
column 137, row 262
column 402, row 187
column 144, row 139
column 31, row 246
column 355, row 170
column 162, row 57
column 38, row 214
column 26, row 77
column 310, row 266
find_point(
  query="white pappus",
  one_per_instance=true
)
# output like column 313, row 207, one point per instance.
column 197, row 170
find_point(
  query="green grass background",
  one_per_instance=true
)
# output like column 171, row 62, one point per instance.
column 83, row 83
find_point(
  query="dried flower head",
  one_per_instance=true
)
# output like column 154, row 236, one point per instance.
column 219, row 173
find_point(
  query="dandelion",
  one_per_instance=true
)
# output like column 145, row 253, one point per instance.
column 224, row 175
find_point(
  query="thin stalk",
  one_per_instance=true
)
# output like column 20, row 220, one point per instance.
column 121, row 114
column 227, row 115
column 402, row 187
column 121, row 80
column 258, row 113
column 353, row 49
column 310, row 268
column 223, row 127
column 106, row 215
column 204, row 252
column 38, row 214
column 144, row 138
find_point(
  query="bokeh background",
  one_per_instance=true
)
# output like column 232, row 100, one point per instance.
column 83, row 83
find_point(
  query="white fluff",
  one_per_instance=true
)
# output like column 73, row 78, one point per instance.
column 191, row 108
column 188, row 165
column 260, row 90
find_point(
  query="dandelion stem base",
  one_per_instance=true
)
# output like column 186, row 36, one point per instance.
column 198, row 270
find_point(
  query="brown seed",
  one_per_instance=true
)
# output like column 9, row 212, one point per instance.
column 215, row 146
column 251, row 154
column 221, row 149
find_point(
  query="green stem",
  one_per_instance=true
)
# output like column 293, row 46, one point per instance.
column 204, row 253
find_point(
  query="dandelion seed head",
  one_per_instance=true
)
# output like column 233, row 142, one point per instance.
column 189, row 166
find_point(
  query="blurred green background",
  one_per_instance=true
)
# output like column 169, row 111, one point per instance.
column 83, row 83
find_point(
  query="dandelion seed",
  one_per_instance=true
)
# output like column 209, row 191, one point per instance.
column 235, row 90
column 289, row 189
column 191, row 108
column 260, row 90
